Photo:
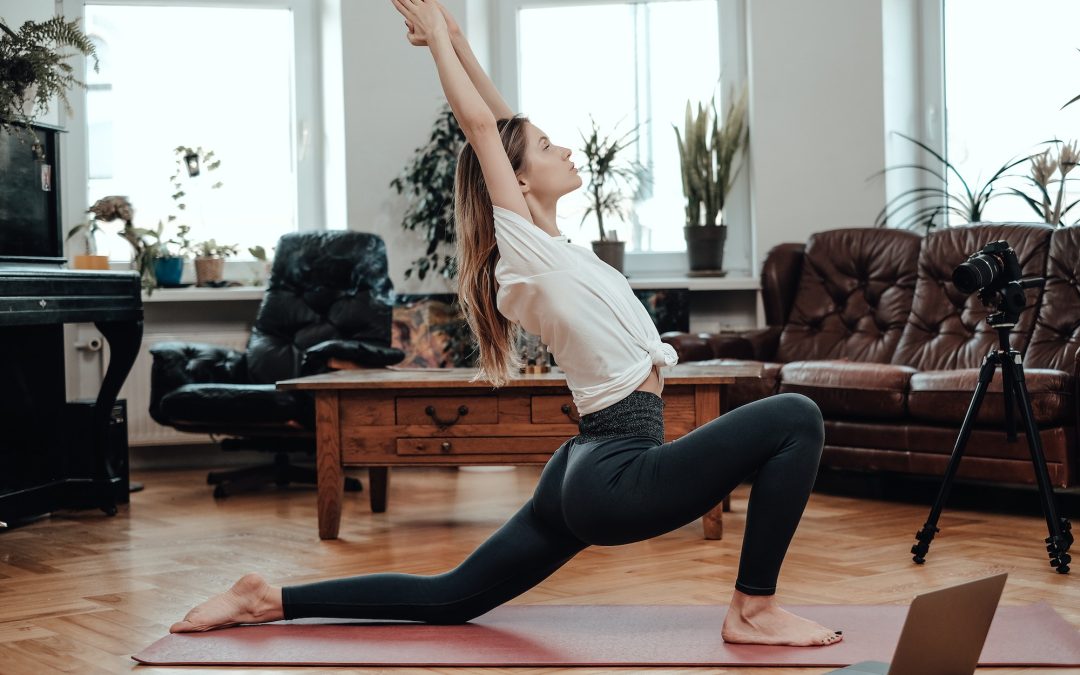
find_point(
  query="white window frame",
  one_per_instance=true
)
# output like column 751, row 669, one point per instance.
column 307, row 113
column 913, row 50
column 731, row 15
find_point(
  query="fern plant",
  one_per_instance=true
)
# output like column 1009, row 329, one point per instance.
column 33, row 65
column 428, row 184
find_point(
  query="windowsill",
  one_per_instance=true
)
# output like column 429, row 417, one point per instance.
column 205, row 294
column 638, row 281
column 735, row 282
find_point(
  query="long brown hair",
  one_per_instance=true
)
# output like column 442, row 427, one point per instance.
column 477, row 254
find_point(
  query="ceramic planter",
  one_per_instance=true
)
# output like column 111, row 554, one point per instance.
column 611, row 252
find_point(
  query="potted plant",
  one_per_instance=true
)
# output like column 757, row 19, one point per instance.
column 169, row 262
column 707, row 154
column 33, row 70
column 108, row 209
column 944, row 200
column 264, row 262
column 1043, row 167
column 606, row 170
column 428, row 184
column 89, row 260
column 210, row 259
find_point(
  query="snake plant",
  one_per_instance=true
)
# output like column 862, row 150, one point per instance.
column 707, row 153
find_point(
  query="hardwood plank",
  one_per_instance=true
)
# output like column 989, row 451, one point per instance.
column 82, row 591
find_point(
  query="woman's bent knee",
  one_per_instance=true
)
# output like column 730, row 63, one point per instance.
column 800, row 408
column 801, row 415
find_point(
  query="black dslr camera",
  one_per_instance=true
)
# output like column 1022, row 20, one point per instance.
column 994, row 272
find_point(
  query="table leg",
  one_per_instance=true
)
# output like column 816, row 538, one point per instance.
column 378, row 479
column 709, row 402
column 330, row 476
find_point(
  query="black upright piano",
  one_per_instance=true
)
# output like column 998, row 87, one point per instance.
column 40, row 439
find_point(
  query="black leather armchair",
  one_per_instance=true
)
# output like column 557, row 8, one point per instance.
column 329, row 300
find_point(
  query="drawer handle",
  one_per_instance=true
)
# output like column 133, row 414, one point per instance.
column 445, row 446
column 566, row 411
column 461, row 411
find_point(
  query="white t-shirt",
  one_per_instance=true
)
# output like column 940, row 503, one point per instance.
column 583, row 310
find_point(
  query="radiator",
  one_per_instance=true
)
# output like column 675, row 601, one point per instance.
column 142, row 429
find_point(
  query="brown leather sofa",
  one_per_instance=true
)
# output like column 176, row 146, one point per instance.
column 868, row 323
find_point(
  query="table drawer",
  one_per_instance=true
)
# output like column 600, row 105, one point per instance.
column 554, row 409
column 446, row 411
column 483, row 445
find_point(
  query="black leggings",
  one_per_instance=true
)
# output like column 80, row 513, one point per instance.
column 608, row 492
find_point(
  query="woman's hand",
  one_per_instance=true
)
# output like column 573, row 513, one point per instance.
column 451, row 26
column 424, row 18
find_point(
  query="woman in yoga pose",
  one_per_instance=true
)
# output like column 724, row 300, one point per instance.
column 617, row 481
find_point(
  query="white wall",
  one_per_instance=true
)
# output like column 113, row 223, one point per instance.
column 816, row 116
column 391, row 97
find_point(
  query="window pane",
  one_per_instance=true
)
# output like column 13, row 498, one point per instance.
column 1008, row 68
column 219, row 78
column 654, row 56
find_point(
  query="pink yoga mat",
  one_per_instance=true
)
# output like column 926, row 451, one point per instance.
column 599, row 635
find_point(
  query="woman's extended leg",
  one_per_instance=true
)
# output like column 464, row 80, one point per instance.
column 616, row 494
column 527, row 549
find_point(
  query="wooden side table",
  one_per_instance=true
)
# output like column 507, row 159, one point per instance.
column 383, row 417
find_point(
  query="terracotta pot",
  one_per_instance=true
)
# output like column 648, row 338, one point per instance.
column 208, row 270
column 611, row 252
column 90, row 262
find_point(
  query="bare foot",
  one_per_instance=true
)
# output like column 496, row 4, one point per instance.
column 250, row 600
column 759, row 620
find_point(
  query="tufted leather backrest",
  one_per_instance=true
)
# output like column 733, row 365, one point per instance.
column 780, row 281
column 947, row 329
column 853, row 297
column 323, row 286
column 1056, row 339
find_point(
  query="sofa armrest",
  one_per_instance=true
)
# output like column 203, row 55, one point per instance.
column 764, row 341
column 705, row 346
column 759, row 344
column 176, row 364
column 344, row 354
column 689, row 346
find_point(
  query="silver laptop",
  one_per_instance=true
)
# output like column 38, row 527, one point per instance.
column 944, row 631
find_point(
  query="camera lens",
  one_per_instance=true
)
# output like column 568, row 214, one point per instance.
column 976, row 272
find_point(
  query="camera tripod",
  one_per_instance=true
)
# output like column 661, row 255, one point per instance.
column 1015, row 389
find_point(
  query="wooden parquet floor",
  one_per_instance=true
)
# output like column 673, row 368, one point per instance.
column 80, row 592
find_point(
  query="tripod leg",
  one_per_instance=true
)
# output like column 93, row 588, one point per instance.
column 1060, row 538
column 926, row 534
column 1008, row 386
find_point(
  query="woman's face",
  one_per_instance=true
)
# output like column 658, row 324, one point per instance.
column 549, row 173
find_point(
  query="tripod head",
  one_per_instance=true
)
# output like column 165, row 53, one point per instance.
column 994, row 271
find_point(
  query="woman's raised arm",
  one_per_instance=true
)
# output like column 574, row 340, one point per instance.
column 477, row 121
column 429, row 25
column 479, row 77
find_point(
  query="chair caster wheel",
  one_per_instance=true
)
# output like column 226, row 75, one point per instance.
column 220, row 492
column 109, row 510
column 353, row 485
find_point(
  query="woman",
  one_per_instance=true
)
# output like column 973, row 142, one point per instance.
column 617, row 481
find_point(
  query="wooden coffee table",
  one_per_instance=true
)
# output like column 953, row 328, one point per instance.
column 383, row 417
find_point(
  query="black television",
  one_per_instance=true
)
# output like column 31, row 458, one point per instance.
column 30, row 228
